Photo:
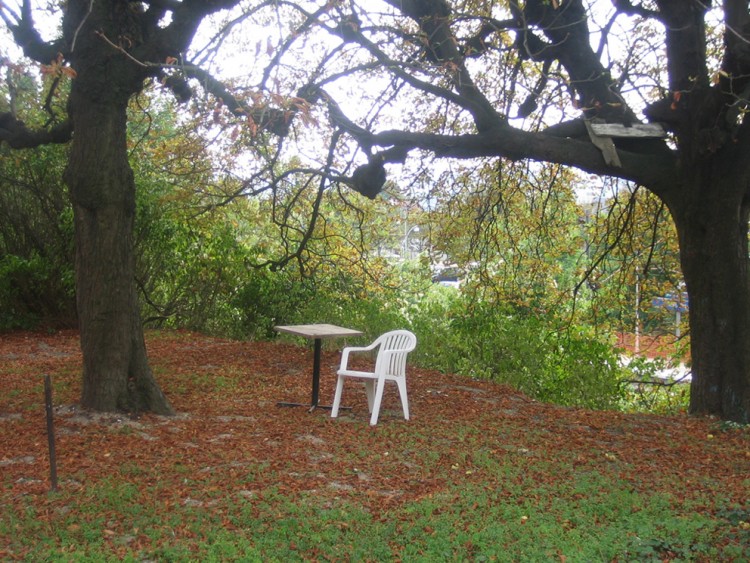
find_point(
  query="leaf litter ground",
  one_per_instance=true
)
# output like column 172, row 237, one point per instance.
column 229, row 439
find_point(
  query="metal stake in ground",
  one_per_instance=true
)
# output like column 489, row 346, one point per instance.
column 50, row 432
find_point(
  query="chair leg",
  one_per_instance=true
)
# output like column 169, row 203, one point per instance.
column 337, row 397
column 370, row 391
column 404, row 399
column 378, row 400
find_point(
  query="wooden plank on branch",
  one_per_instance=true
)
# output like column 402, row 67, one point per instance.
column 637, row 130
column 604, row 144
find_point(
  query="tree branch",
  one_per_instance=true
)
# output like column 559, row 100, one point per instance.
column 566, row 27
column 433, row 19
column 26, row 35
column 186, row 17
column 515, row 144
column 395, row 67
column 14, row 132
column 275, row 120
column 476, row 45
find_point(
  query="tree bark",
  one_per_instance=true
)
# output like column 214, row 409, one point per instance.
column 116, row 375
column 711, row 217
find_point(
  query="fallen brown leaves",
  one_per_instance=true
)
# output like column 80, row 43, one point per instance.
column 231, row 437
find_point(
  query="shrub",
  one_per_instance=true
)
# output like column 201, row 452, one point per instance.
column 34, row 290
column 266, row 299
column 481, row 340
column 646, row 391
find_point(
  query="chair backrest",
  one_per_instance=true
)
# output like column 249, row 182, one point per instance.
column 393, row 348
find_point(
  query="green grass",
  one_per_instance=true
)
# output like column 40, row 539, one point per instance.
column 582, row 516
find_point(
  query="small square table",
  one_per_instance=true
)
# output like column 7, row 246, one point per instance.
column 316, row 332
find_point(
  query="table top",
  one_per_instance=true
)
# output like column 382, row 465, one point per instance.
column 318, row 330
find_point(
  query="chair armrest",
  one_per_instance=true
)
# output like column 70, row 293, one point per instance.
column 348, row 349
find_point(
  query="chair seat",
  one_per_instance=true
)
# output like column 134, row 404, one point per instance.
column 360, row 374
column 390, row 365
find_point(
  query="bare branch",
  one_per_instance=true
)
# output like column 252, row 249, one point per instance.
column 476, row 45
column 80, row 25
column 274, row 120
column 186, row 17
column 434, row 21
column 310, row 20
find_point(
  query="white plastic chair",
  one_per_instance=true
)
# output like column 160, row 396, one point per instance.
column 390, row 365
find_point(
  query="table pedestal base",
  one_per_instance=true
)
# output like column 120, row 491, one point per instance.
column 310, row 407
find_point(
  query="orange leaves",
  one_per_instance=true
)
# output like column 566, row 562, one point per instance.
column 230, row 443
column 676, row 97
column 58, row 69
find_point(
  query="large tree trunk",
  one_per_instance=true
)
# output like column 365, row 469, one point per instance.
column 116, row 375
column 711, row 216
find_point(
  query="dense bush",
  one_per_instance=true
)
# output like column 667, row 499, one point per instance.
column 266, row 299
column 567, row 367
column 36, row 241
column 34, row 292
column 187, row 271
column 276, row 298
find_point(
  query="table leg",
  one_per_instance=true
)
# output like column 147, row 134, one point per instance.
column 318, row 344
column 315, row 381
column 316, row 373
